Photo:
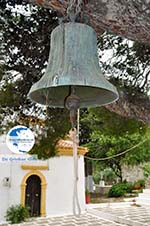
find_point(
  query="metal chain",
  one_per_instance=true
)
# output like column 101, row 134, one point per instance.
column 79, row 7
column 71, row 5
column 74, row 9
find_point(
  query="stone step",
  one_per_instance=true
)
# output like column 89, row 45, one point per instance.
column 129, row 200
column 145, row 201
column 140, row 203
column 146, row 191
column 143, row 198
column 142, row 195
column 117, row 218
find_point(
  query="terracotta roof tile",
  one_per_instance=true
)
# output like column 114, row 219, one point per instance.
column 67, row 144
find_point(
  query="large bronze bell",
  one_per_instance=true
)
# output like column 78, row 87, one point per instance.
column 73, row 62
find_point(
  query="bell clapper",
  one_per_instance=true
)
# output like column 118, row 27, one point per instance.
column 72, row 103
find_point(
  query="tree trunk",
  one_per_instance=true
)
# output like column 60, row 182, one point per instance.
column 130, row 19
column 88, row 168
column 132, row 107
column 118, row 170
column 88, row 176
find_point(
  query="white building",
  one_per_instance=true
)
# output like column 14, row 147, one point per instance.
column 46, row 186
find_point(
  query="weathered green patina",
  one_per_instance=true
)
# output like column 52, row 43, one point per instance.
column 73, row 61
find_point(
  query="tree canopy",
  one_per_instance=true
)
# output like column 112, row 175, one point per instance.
column 25, row 44
column 114, row 140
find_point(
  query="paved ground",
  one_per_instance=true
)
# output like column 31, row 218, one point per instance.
column 83, row 220
column 120, row 214
column 133, row 215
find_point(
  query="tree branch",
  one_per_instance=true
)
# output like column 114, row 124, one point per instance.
column 138, row 108
column 123, row 18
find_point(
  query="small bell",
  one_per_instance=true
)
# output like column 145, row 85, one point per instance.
column 73, row 61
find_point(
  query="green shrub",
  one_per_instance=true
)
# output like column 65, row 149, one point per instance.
column 109, row 175
column 87, row 192
column 16, row 214
column 146, row 169
column 139, row 184
column 142, row 183
column 129, row 187
column 120, row 189
column 96, row 178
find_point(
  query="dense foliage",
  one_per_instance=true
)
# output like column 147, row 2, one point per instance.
column 127, row 61
column 146, row 169
column 26, row 42
column 111, row 135
column 120, row 189
column 16, row 214
column 107, row 174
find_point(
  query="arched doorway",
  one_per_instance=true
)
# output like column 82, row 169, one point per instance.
column 33, row 195
column 43, row 190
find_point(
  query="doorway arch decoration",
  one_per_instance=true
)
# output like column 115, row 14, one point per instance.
column 43, row 190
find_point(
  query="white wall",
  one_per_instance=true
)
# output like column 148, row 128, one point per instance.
column 9, row 195
column 60, row 182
